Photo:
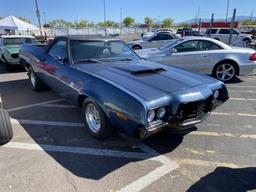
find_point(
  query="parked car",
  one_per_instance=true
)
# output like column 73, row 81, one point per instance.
column 187, row 32
column 156, row 40
column 9, row 48
column 204, row 55
column 222, row 34
column 117, row 90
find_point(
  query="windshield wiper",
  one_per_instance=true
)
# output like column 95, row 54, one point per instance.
column 87, row 61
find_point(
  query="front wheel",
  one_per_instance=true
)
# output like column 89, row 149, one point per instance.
column 96, row 121
column 36, row 83
column 225, row 72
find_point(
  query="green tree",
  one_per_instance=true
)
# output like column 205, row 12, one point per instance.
column 108, row 24
column 249, row 22
column 183, row 25
column 60, row 23
column 128, row 21
column 148, row 21
column 168, row 22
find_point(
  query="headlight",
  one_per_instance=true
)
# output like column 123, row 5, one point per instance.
column 216, row 94
column 161, row 112
column 151, row 115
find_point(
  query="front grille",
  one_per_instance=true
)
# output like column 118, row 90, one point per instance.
column 194, row 110
column 15, row 55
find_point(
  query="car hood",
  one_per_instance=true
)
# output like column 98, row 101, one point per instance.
column 151, row 52
column 12, row 49
column 146, row 79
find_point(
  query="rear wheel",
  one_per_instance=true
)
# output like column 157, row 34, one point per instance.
column 136, row 47
column 36, row 83
column 225, row 71
column 6, row 133
column 96, row 121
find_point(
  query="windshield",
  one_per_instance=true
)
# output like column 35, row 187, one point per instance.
column 18, row 41
column 169, row 44
column 101, row 51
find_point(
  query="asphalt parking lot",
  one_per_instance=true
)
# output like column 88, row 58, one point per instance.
column 51, row 150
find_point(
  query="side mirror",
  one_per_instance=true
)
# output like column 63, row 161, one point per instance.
column 173, row 50
column 63, row 60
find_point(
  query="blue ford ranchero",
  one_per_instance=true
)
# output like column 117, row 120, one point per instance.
column 117, row 90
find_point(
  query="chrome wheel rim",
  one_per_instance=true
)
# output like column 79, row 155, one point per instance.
column 92, row 116
column 225, row 72
column 32, row 78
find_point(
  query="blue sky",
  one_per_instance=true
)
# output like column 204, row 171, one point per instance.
column 92, row 10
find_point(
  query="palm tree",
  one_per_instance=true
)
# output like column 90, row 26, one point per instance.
column 148, row 21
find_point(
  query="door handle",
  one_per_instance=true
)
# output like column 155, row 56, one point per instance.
column 204, row 56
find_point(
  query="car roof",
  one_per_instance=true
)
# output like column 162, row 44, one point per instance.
column 16, row 36
column 86, row 37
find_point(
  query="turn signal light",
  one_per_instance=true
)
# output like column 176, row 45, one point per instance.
column 253, row 57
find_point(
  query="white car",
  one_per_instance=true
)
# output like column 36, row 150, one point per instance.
column 222, row 34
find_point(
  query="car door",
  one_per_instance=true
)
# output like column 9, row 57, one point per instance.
column 158, row 40
column 190, row 55
column 56, row 67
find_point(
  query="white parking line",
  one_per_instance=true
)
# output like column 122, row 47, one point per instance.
column 216, row 134
column 141, row 183
column 145, row 181
column 78, row 150
column 233, row 114
column 50, row 123
column 241, row 86
column 242, row 91
column 34, row 105
column 242, row 99
column 57, row 106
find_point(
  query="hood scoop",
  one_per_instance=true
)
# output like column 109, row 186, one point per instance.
column 148, row 72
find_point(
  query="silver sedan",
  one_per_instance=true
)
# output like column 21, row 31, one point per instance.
column 156, row 40
column 204, row 55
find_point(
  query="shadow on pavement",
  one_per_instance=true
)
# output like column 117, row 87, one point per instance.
column 227, row 179
column 18, row 93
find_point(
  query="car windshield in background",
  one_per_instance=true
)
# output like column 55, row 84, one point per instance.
column 100, row 51
column 18, row 41
column 170, row 44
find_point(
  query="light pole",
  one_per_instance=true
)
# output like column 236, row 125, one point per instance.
column 104, row 4
column 227, row 12
column 121, row 20
column 44, row 18
column 38, row 16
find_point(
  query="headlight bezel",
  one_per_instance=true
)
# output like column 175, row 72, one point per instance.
column 216, row 94
column 161, row 112
column 151, row 115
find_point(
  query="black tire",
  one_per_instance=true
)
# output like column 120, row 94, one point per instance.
column 106, row 130
column 35, row 82
column 6, row 133
column 8, row 67
column 226, row 64
column 136, row 47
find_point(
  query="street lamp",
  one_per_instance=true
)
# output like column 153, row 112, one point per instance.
column 227, row 12
column 104, row 4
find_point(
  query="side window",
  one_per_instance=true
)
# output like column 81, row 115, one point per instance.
column 213, row 46
column 156, row 38
column 1, row 42
column 187, row 46
column 234, row 32
column 224, row 31
column 59, row 50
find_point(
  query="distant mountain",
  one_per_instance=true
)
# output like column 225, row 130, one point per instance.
column 238, row 18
